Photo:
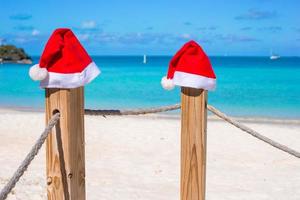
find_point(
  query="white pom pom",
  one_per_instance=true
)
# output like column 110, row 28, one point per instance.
column 167, row 84
column 37, row 74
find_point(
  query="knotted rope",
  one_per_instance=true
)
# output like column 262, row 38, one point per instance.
column 30, row 156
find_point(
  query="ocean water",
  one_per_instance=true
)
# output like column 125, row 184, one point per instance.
column 246, row 86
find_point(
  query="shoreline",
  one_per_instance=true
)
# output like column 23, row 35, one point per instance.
column 174, row 116
column 24, row 61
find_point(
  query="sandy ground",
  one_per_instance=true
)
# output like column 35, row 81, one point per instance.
column 138, row 158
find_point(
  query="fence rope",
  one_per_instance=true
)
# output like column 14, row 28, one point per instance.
column 210, row 108
column 30, row 156
column 132, row 112
column 253, row 132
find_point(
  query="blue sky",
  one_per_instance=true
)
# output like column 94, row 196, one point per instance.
column 157, row 27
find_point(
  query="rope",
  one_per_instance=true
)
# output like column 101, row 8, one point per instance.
column 210, row 108
column 30, row 156
column 253, row 132
column 132, row 112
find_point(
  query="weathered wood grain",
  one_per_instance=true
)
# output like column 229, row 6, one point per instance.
column 193, row 143
column 65, row 151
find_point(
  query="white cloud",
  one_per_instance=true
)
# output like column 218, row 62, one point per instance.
column 254, row 14
column 236, row 38
column 21, row 40
column 2, row 40
column 88, row 24
column 35, row 32
column 185, row 36
column 83, row 37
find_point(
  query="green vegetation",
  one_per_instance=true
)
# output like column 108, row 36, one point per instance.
column 10, row 53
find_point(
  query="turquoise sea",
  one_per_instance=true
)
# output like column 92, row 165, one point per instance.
column 246, row 86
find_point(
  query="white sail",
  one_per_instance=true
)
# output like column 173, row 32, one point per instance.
column 145, row 59
column 274, row 56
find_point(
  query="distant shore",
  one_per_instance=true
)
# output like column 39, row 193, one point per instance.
column 24, row 61
column 12, row 54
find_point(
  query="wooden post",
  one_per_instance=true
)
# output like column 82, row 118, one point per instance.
column 65, row 154
column 193, row 143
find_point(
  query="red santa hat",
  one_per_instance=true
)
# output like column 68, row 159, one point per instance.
column 64, row 63
column 190, row 67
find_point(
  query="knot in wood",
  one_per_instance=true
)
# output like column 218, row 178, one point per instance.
column 49, row 180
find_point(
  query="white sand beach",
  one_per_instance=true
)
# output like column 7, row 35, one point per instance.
column 137, row 157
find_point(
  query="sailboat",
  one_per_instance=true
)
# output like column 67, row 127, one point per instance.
column 145, row 59
column 274, row 56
